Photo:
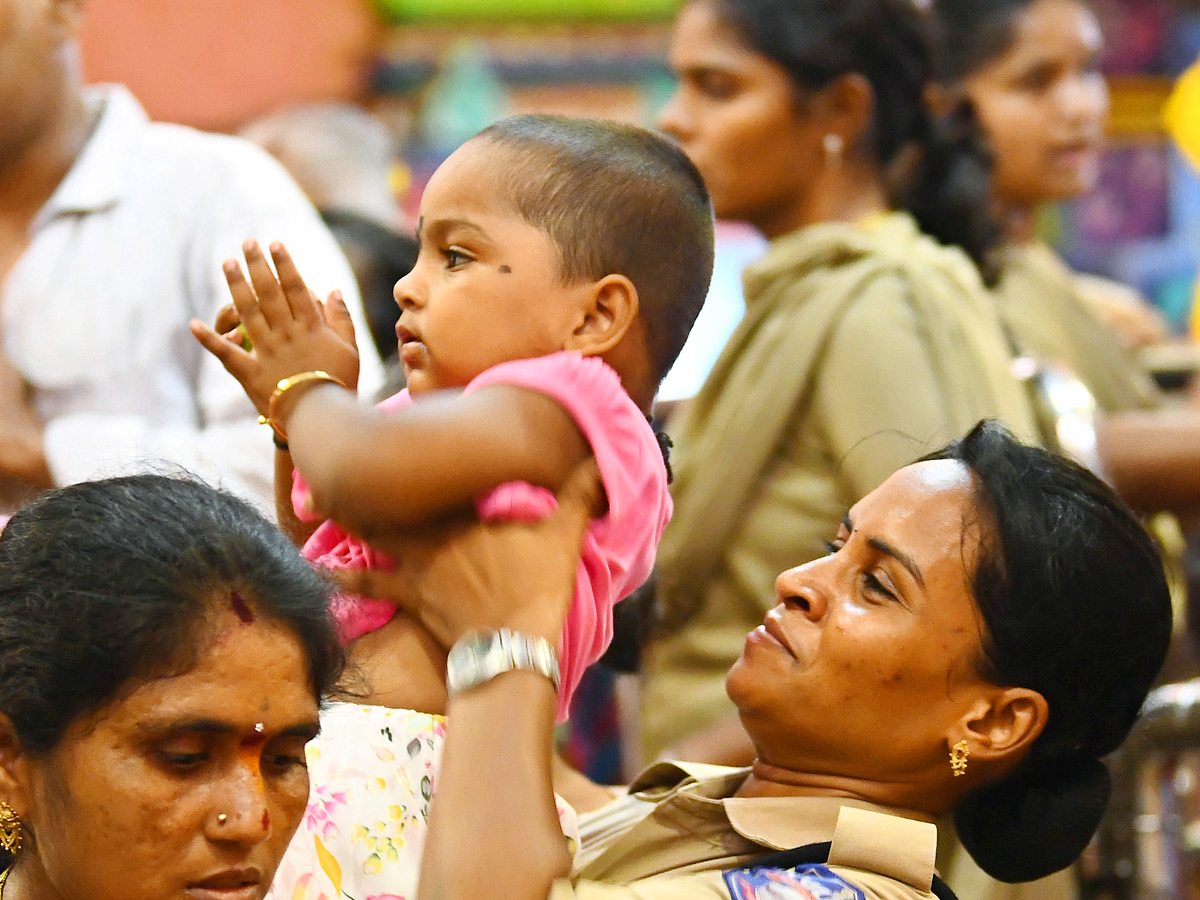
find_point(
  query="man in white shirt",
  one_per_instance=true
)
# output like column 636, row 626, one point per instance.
column 112, row 234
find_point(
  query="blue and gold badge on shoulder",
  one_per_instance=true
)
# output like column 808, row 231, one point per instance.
column 806, row 882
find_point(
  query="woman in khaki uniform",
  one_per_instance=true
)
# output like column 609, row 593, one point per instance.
column 985, row 629
column 865, row 343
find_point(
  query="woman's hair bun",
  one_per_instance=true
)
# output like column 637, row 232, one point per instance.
column 1036, row 821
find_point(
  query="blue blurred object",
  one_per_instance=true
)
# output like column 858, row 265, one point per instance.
column 593, row 740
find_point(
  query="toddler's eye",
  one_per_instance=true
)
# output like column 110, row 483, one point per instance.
column 455, row 257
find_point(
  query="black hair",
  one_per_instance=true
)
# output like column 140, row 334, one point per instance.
column 616, row 199
column 379, row 256
column 106, row 583
column 890, row 43
column 971, row 33
column 1075, row 606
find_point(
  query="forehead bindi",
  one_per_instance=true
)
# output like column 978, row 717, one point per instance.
column 241, row 609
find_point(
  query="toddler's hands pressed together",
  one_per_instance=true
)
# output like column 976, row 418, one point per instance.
column 277, row 328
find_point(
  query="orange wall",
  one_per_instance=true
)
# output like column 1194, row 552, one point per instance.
column 217, row 63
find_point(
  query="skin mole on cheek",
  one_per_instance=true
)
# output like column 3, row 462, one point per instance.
column 240, row 608
column 506, row 270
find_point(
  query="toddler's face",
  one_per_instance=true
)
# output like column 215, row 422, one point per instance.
column 486, row 286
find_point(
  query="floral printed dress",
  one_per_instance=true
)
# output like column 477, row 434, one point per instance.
column 372, row 772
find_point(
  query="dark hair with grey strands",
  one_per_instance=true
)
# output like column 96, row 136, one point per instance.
column 615, row 199
column 107, row 584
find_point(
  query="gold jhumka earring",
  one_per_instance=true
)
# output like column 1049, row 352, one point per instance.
column 958, row 758
column 10, row 829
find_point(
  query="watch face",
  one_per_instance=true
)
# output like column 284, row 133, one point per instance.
column 482, row 655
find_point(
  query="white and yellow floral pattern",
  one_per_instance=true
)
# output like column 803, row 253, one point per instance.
column 372, row 773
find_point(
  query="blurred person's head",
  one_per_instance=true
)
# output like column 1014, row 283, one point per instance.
column 39, row 71
column 163, row 650
column 341, row 156
column 789, row 107
column 1031, row 70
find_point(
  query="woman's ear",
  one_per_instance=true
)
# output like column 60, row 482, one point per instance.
column 1000, row 728
column 845, row 107
column 14, row 769
column 610, row 310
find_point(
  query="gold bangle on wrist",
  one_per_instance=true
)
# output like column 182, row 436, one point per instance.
column 286, row 384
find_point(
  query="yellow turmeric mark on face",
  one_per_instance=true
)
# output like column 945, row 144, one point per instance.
column 249, row 753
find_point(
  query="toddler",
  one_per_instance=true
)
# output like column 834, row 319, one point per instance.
column 562, row 263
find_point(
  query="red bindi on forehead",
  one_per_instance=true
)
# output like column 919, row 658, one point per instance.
column 241, row 608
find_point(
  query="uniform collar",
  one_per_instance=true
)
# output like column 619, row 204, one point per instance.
column 863, row 835
column 100, row 175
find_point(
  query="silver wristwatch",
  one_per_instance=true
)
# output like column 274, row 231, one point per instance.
column 482, row 655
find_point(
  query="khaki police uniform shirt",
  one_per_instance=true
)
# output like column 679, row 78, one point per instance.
column 698, row 839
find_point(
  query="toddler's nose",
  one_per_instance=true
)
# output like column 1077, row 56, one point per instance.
column 405, row 292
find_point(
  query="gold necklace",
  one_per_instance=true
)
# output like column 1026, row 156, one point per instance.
column 3, row 879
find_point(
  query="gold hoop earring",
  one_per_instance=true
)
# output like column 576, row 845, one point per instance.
column 958, row 758
column 10, row 829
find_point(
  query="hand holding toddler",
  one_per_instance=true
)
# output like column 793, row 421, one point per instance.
column 469, row 575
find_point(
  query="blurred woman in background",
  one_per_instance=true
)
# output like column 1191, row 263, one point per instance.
column 1030, row 71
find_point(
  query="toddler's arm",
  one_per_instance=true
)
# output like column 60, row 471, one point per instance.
column 229, row 324
column 290, row 524
column 373, row 471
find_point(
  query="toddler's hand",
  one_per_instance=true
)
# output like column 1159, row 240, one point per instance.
column 276, row 328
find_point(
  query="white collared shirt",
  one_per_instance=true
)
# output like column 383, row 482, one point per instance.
column 128, row 249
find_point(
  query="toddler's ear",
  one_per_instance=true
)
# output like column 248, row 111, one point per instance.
column 608, row 314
